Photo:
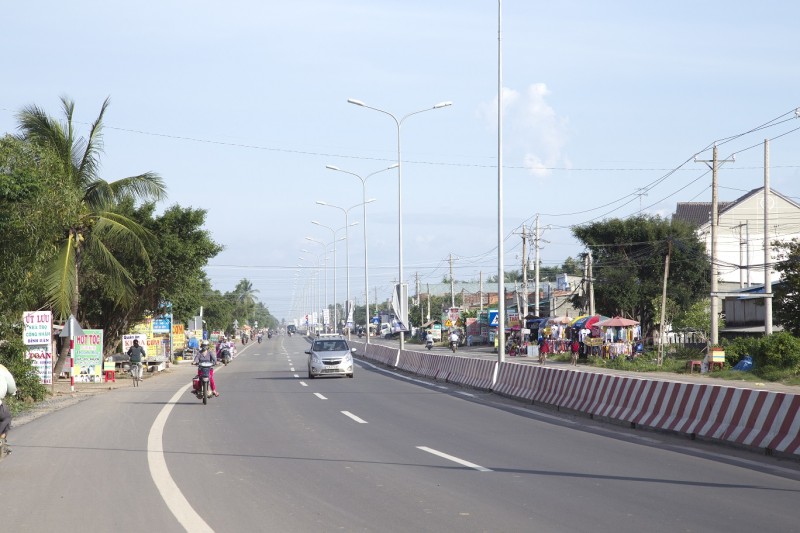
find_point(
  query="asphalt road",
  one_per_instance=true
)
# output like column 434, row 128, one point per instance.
column 381, row 452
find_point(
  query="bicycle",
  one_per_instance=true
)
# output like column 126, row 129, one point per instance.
column 136, row 373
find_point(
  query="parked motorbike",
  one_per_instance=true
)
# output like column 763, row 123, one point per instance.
column 202, row 381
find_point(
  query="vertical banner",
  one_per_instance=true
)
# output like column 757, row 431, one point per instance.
column 38, row 338
column 88, row 365
column 42, row 359
column 38, row 328
column 400, row 306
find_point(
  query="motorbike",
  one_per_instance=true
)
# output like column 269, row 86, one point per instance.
column 202, row 381
column 453, row 345
column 259, row 339
column 269, row 335
column 224, row 356
column 429, row 344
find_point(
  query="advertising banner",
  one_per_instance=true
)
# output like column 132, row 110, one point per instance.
column 42, row 359
column 88, row 354
column 38, row 328
column 162, row 324
column 127, row 341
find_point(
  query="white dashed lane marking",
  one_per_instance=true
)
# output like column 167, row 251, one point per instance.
column 454, row 459
column 354, row 417
column 320, row 396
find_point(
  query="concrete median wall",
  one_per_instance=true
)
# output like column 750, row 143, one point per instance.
column 761, row 419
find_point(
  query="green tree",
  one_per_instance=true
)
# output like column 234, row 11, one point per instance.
column 786, row 303
column 628, row 265
column 92, row 225
column 30, row 209
column 179, row 249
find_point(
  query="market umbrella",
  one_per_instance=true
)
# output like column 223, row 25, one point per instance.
column 587, row 321
column 616, row 322
column 559, row 320
column 582, row 317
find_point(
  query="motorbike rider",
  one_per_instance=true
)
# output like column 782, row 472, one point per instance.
column 206, row 355
column 454, row 337
column 429, row 338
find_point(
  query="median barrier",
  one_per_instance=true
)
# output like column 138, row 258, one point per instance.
column 409, row 361
column 476, row 373
column 516, row 380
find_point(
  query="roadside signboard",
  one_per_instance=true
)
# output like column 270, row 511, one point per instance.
column 162, row 324
column 42, row 359
column 88, row 354
column 493, row 320
column 38, row 328
column 127, row 341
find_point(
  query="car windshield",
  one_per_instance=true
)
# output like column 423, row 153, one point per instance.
column 330, row 346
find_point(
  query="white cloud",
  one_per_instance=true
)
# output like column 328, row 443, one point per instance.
column 534, row 135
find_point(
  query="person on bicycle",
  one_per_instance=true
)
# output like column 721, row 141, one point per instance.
column 205, row 355
column 136, row 354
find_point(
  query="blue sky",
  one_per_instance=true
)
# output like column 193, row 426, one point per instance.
column 240, row 106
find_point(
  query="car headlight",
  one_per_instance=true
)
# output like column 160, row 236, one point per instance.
column 315, row 358
column 348, row 358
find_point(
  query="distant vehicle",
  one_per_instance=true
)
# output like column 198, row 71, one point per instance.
column 330, row 355
column 291, row 329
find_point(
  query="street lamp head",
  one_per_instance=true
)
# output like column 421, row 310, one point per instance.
column 331, row 167
column 355, row 102
column 320, row 202
column 442, row 104
column 370, row 201
column 393, row 166
column 315, row 222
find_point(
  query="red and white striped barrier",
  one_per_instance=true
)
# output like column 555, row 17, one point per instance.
column 762, row 419
column 477, row 373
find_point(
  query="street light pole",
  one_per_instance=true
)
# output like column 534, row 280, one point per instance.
column 333, row 233
column 347, row 250
column 399, row 123
column 366, row 263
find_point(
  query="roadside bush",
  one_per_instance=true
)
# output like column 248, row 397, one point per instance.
column 28, row 386
column 779, row 351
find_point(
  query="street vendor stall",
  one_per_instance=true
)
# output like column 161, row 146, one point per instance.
column 618, row 334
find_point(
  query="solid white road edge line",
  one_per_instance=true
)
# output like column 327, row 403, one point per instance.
column 354, row 417
column 454, row 459
column 170, row 493
column 320, row 396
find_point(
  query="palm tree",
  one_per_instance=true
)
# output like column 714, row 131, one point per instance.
column 92, row 228
column 245, row 294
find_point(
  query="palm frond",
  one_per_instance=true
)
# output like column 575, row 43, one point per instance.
column 99, row 195
column 42, row 130
column 87, row 169
column 60, row 279
column 121, row 285
column 124, row 232
column 147, row 186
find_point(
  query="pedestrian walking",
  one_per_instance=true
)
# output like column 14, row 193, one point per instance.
column 574, row 348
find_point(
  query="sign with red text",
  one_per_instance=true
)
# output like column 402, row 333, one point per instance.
column 38, row 328
column 88, row 356
column 42, row 360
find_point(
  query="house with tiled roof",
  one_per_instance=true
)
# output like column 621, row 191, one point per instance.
column 740, row 233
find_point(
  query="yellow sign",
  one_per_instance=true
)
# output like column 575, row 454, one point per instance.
column 447, row 323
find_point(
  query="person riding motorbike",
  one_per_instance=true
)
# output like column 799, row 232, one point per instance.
column 453, row 340
column 224, row 353
column 206, row 355
column 259, row 337
column 429, row 340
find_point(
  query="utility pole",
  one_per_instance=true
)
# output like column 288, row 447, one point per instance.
column 416, row 285
column 480, row 290
column 524, row 311
column 591, row 286
column 742, row 244
column 714, row 166
column 536, row 302
column 429, row 302
column 452, row 294
column 662, row 324
column 767, row 277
